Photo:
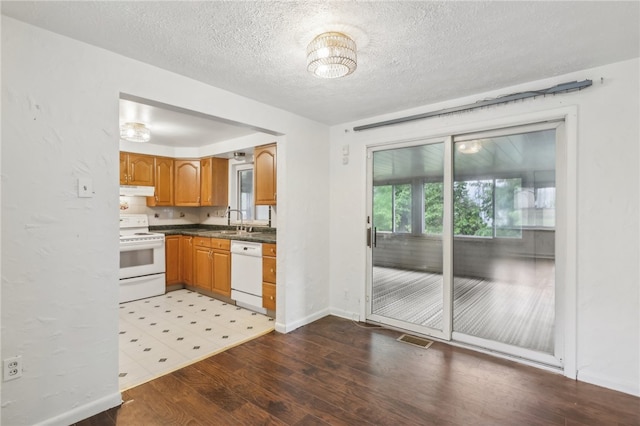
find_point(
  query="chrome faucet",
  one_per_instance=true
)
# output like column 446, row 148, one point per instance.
column 229, row 210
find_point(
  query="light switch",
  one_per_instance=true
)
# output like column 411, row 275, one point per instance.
column 345, row 149
column 85, row 187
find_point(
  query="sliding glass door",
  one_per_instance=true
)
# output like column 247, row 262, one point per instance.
column 408, row 288
column 463, row 236
column 504, row 207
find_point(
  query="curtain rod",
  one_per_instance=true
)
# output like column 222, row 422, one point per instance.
column 560, row 88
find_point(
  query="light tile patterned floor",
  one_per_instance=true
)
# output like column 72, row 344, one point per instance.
column 164, row 333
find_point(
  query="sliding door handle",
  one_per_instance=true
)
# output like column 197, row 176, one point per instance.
column 375, row 236
column 368, row 237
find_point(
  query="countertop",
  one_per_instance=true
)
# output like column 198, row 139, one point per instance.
column 259, row 235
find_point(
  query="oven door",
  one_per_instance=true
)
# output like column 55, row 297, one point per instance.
column 139, row 258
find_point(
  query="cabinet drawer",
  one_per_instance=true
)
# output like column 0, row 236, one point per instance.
column 202, row 241
column 269, row 269
column 220, row 244
column 269, row 249
column 269, row 296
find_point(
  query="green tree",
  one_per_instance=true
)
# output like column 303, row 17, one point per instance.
column 473, row 208
column 402, row 207
column 433, row 207
column 508, row 219
column 383, row 207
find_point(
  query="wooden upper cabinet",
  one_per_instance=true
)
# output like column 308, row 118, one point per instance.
column 136, row 169
column 124, row 168
column 214, row 181
column 165, row 173
column 187, row 182
column 265, row 175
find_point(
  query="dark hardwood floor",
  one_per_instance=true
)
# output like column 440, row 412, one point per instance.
column 337, row 372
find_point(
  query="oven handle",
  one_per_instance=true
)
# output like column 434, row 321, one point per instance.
column 142, row 245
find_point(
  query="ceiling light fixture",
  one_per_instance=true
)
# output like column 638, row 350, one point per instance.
column 469, row 147
column 331, row 55
column 135, row 132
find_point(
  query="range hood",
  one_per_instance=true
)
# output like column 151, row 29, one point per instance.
column 137, row 191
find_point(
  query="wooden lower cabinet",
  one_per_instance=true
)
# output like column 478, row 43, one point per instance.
column 186, row 259
column 269, row 276
column 172, row 259
column 212, row 265
column 269, row 296
column 202, row 265
column 221, row 283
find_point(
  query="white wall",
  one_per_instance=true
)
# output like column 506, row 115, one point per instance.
column 608, row 252
column 60, row 252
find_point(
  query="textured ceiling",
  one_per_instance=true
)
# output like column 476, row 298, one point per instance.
column 409, row 53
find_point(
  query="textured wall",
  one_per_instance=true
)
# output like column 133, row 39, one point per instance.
column 606, row 302
column 60, row 252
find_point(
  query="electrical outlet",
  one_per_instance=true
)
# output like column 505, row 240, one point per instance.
column 12, row 368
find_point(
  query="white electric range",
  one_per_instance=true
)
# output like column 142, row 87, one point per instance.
column 142, row 259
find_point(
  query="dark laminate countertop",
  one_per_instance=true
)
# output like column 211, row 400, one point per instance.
column 260, row 235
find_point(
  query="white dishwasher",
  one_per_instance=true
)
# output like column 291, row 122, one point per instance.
column 246, row 275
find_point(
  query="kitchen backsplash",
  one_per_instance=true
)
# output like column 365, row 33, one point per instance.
column 180, row 215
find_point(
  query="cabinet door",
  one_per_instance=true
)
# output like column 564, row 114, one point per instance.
column 202, row 267
column 265, row 175
column 187, row 182
column 141, row 170
column 221, row 273
column 220, row 182
column 214, row 181
column 186, row 259
column 269, row 296
column 164, row 181
column 269, row 249
column 124, row 168
column 206, row 165
column 172, row 259
column 269, row 269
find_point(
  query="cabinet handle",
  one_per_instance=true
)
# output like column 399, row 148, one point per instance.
column 156, row 198
column 271, row 297
column 198, row 199
column 271, row 270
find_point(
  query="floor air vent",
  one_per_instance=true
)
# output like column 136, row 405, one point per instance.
column 416, row 341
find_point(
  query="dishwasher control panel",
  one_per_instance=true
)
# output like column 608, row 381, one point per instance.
column 246, row 248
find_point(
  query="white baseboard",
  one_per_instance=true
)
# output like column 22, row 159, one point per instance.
column 353, row 316
column 84, row 411
column 632, row 388
column 289, row 327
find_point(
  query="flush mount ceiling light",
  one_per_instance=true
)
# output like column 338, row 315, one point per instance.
column 331, row 55
column 469, row 147
column 135, row 132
